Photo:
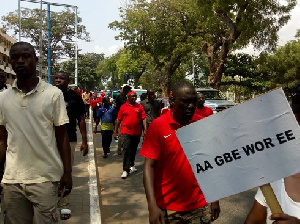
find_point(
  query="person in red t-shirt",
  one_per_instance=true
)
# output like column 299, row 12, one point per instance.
column 201, row 109
column 95, row 104
column 130, row 116
column 171, row 188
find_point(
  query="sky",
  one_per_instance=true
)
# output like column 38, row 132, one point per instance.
column 97, row 14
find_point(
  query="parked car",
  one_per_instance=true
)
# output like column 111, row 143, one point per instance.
column 215, row 99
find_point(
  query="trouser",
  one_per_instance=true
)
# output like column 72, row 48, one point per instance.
column 196, row 216
column 95, row 114
column 130, row 144
column 2, row 166
column 31, row 203
column 87, row 110
column 106, row 140
column 64, row 202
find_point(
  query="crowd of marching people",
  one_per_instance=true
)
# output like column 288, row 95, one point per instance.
column 38, row 122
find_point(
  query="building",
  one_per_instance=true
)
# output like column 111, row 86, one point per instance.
column 6, row 42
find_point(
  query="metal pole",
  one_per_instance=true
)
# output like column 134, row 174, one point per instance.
column 76, row 51
column 193, row 69
column 41, row 40
column 19, row 18
column 49, row 43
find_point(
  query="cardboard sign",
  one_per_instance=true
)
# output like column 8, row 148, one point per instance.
column 245, row 146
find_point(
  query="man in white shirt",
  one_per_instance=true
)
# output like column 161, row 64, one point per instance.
column 33, row 136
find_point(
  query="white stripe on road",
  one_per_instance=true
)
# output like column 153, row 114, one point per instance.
column 95, row 214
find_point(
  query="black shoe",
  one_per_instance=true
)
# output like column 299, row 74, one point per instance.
column 105, row 156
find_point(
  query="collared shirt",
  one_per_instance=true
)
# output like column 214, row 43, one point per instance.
column 152, row 110
column 32, row 155
column 175, row 185
column 131, row 117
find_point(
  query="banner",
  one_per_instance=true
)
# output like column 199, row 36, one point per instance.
column 245, row 146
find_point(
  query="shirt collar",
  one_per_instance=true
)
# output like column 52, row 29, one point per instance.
column 176, row 125
column 39, row 87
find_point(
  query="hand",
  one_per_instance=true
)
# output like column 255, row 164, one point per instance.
column 144, row 133
column 65, row 184
column 215, row 210
column 115, row 134
column 284, row 219
column 84, row 148
column 156, row 215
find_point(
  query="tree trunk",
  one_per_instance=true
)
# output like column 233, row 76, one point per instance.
column 216, row 64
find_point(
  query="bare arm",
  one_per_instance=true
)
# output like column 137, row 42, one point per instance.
column 117, row 125
column 64, row 149
column 3, row 141
column 284, row 219
column 96, row 125
column 215, row 210
column 82, row 127
column 257, row 214
column 145, row 126
column 156, row 216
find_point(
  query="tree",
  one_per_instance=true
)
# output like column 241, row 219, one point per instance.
column 107, row 70
column 244, row 75
column 164, row 29
column 282, row 66
column 62, row 31
column 87, row 75
column 234, row 24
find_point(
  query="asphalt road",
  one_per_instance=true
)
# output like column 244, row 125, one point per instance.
column 124, row 201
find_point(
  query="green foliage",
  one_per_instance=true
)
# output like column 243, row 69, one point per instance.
column 107, row 70
column 62, row 31
column 283, row 66
column 233, row 24
column 87, row 75
column 164, row 30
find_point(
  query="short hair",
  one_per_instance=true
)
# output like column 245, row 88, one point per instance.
column 126, row 88
column 104, row 100
column 180, row 85
column 64, row 73
column 23, row 43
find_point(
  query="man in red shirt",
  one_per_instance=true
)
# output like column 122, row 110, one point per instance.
column 171, row 188
column 130, row 116
column 201, row 109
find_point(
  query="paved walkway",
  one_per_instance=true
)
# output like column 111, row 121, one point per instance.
column 84, row 199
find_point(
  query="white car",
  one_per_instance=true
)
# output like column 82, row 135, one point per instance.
column 215, row 99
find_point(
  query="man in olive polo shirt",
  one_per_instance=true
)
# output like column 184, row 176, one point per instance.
column 33, row 136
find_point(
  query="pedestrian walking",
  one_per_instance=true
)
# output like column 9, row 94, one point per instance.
column 33, row 136
column 151, row 106
column 86, row 96
column 75, row 110
column 120, row 100
column 172, row 191
column 202, row 110
column 95, row 105
column 129, row 117
column 107, row 114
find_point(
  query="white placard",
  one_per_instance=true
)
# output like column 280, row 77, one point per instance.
column 245, row 146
